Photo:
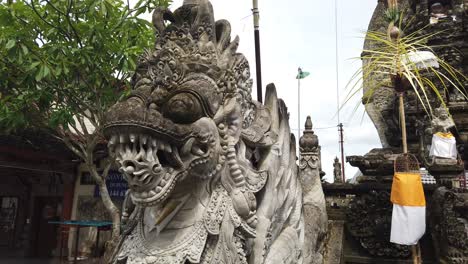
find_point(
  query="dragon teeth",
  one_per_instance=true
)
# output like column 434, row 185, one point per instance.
column 132, row 138
column 113, row 140
column 168, row 148
column 154, row 143
column 158, row 189
column 162, row 145
column 144, row 139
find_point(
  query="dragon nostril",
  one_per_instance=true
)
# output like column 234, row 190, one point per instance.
column 128, row 167
column 157, row 168
column 147, row 180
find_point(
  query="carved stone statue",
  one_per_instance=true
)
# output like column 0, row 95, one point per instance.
column 314, row 208
column 212, row 173
column 441, row 122
column 337, row 171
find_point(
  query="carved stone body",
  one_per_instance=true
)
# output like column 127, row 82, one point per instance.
column 212, row 173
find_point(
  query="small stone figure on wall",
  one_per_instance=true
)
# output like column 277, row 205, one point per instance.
column 337, row 171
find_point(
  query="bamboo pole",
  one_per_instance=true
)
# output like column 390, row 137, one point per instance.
column 415, row 249
column 416, row 252
column 403, row 124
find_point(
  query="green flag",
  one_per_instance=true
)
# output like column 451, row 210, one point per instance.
column 302, row 74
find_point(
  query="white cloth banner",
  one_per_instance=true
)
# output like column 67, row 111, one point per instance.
column 408, row 224
column 443, row 147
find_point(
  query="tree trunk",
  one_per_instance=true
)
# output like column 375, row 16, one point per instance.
column 111, row 208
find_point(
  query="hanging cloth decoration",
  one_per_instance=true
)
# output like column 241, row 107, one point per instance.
column 443, row 146
column 409, row 203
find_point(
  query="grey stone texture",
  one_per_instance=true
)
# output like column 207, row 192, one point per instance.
column 212, row 173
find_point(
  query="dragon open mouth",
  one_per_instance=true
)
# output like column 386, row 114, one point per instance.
column 153, row 166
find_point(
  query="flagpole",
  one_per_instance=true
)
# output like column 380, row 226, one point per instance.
column 258, row 65
column 299, row 108
column 300, row 75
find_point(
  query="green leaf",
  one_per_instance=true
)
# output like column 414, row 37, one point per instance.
column 25, row 49
column 33, row 65
column 40, row 74
column 10, row 44
column 103, row 8
column 46, row 70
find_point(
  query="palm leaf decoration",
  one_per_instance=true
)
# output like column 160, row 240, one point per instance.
column 408, row 61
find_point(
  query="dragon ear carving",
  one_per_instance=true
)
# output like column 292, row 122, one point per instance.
column 223, row 33
column 160, row 15
column 204, row 19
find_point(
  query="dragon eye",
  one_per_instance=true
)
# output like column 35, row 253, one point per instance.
column 183, row 108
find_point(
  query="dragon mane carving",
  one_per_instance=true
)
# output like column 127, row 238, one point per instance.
column 212, row 174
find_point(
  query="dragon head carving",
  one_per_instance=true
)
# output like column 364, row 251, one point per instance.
column 190, row 101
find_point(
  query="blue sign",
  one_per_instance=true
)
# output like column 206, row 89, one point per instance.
column 116, row 185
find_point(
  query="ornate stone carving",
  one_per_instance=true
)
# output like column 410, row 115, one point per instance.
column 212, row 173
column 309, row 141
column 369, row 211
column 315, row 217
column 378, row 162
column 448, row 38
column 368, row 221
column 449, row 224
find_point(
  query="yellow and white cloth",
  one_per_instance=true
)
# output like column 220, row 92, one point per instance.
column 409, row 209
column 443, row 145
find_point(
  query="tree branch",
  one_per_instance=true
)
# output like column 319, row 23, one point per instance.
column 67, row 18
column 33, row 7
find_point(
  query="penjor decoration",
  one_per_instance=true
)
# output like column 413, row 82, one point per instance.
column 212, row 173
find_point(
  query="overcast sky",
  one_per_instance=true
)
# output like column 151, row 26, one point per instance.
column 302, row 33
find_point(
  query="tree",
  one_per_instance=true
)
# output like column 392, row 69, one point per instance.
column 63, row 63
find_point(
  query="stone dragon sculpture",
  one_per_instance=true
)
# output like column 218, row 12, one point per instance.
column 212, row 173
